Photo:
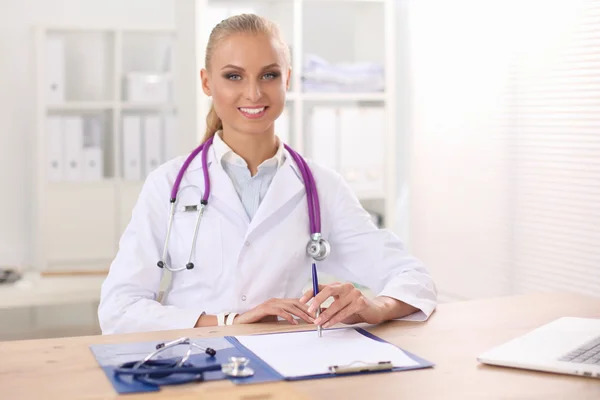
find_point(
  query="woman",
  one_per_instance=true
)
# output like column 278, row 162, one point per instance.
column 250, row 261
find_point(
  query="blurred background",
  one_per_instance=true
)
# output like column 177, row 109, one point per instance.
column 471, row 128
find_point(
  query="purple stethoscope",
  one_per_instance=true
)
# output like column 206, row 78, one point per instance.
column 318, row 248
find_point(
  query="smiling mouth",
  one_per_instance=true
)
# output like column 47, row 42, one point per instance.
column 253, row 112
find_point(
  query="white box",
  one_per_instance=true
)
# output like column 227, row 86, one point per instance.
column 152, row 149
column 73, row 139
column 132, row 148
column 55, row 164
column 143, row 87
column 55, row 70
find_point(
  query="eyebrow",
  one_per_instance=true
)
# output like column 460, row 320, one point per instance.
column 242, row 69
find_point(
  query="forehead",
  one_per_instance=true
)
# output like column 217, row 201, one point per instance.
column 249, row 51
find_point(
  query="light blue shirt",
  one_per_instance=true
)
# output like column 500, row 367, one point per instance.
column 250, row 189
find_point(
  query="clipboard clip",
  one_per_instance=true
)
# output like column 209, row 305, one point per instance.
column 359, row 366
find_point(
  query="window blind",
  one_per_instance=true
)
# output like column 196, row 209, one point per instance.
column 555, row 151
column 504, row 145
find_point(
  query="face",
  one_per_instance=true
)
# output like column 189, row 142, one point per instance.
column 247, row 78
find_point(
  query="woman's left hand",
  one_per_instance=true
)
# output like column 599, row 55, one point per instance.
column 350, row 305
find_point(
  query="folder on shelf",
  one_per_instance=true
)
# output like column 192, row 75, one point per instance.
column 362, row 150
column 169, row 138
column 282, row 126
column 55, row 70
column 373, row 126
column 352, row 136
column 152, row 149
column 73, row 145
column 93, row 165
column 132, row 148
column 274, row 357
column 323, row 140
column 55, row 149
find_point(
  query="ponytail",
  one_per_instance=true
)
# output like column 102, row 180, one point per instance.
column 213, row 124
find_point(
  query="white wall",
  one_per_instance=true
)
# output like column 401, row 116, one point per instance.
column 17, row 91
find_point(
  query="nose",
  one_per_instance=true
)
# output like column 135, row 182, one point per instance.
column 253, row 91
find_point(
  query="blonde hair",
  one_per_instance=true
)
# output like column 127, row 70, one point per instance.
column 243, row 23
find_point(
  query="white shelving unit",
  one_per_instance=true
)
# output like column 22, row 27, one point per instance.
column 341, row 32
column 78, row 223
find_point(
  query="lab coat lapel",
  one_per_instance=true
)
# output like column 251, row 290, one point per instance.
column 223, row 193
column 285, row 187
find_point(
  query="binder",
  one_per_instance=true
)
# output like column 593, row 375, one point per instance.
column 55, row 166
column 282, row 126
column 55, row 70
column 152, row 149
column 352, row 142
column 73, row 145
column 132, row 148
column 110, row 356
column 169, row 137
column 324, row 136
column 93, row 164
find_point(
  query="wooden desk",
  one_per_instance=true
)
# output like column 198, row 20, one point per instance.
column 452, row 338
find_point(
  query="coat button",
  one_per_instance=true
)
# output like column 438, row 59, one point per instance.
column 247, row 244
column 243, row 298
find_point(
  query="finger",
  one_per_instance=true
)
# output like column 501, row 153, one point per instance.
column 335, row 289
column 296, row 308
column 283, row 314
column 354, row 308
column 309, row 294
column 303, row 313
column 335, row 308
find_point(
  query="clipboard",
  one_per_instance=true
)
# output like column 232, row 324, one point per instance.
column 110, row 356
column 355, row 368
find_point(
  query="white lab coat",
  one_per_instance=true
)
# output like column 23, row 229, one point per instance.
column 239, row 263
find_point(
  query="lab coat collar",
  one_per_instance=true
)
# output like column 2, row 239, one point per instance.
column 224, row 153
column 286, row 185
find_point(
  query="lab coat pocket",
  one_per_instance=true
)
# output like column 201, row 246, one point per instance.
column 207, row 255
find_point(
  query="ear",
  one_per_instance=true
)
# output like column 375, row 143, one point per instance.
column 288, row 79
column 205, row 83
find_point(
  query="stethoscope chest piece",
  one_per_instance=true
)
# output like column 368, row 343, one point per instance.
column 237, row 368
column 318, row 248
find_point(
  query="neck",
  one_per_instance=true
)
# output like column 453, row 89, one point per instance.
column 254, row 149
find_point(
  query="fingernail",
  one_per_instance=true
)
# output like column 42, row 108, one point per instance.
column 317, row 321
column 295, row 322
column 312, row 308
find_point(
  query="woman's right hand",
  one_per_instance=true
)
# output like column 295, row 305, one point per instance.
column 273, row 308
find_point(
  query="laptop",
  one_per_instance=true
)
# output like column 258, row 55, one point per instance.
column 567, row 345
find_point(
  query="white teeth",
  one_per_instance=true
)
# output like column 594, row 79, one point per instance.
column 252, row 110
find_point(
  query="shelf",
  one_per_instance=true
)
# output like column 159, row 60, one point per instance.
column 147, row 106
column 82, row 106
column 316, row 96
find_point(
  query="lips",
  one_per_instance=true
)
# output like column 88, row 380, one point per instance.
column 253, row 112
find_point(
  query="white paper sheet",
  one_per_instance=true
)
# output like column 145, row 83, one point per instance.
column 298, row 354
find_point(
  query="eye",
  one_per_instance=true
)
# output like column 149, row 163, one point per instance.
column 233, row 77
column 270, row 75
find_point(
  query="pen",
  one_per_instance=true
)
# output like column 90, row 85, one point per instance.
column 315, row 292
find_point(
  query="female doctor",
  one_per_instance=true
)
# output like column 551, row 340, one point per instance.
column 238, row 218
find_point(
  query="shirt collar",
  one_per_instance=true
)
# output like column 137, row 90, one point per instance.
column 224, row 154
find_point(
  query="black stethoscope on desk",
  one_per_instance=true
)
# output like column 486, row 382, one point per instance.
column 176, row 371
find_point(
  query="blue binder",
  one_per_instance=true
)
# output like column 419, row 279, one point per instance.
column 111, row 356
